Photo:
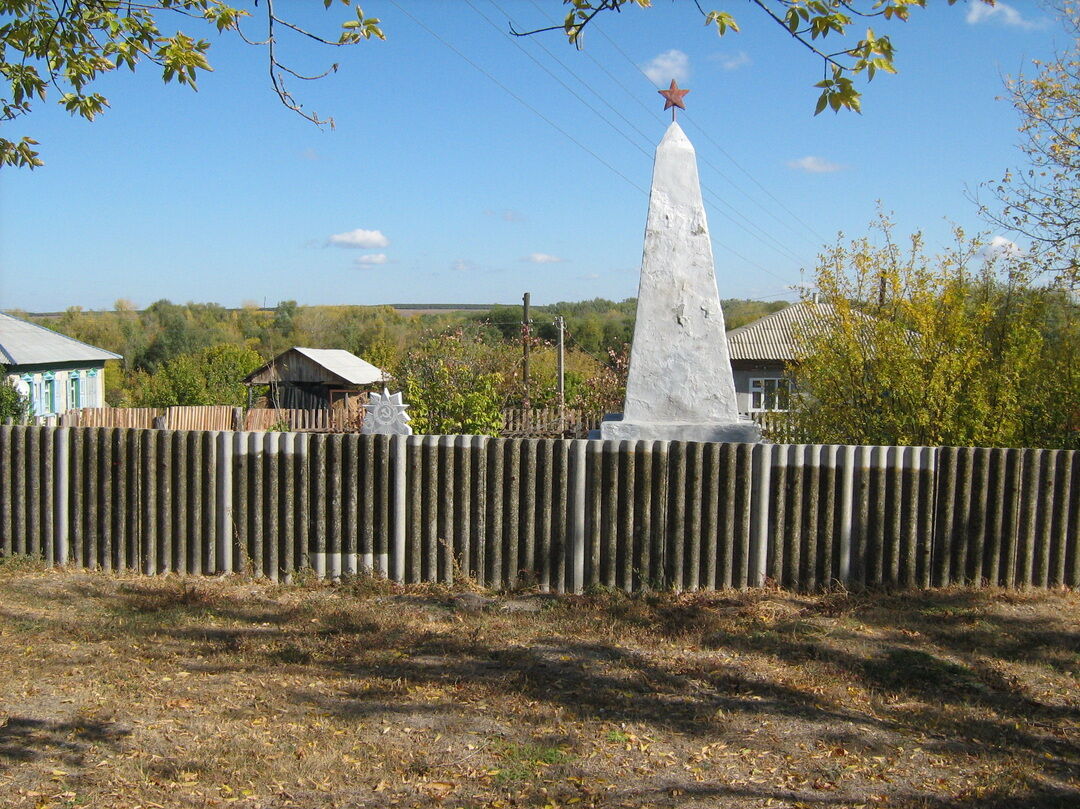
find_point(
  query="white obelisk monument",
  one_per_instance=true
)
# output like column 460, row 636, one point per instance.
column 680, row 386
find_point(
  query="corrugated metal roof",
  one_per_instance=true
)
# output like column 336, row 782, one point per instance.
column 773, row 336
column 333, row 365
column 23, row 343
column 345, row 364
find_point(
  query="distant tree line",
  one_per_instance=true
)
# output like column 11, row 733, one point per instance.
column 197, row 353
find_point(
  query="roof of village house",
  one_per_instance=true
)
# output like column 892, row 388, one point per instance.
column 334, row 365
column 773, row 337
column 24, row 343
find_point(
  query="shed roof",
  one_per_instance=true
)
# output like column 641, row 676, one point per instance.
column 334, row 364
column 773, row 337
column 25, row 343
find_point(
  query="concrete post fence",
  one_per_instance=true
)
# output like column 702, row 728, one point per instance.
column 561, row 515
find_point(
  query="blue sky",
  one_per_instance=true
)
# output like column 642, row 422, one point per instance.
column 467, row 166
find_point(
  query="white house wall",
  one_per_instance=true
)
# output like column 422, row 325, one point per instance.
column 91, row 389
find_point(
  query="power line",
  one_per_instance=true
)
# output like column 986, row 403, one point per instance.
column 724, row 152
column 715, row 199
column 563, row 132
column 518, row 98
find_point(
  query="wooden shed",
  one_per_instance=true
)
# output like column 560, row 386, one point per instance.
column 315, row 378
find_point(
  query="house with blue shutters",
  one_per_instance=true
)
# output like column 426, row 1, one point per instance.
column 55, row 372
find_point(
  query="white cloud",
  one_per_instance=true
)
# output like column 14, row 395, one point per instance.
column 310, row 154
column 542, row 258
column 374, row 258
column 463, row 265
column 359, row 239
column 1000, row 247
column 673, row 64
column 814, row 165
column 1003, row 13
column 732, row 61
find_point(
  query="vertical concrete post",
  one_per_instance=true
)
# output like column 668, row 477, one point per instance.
column 577, row 515
column 946, row 501
column 980, row 508
column 61, row 479
column 461, row 458
column 792, row 539
column 1045, row 507
column 256, row 544
column 594, row 461
column 287, row 500
column 511, row 554
column 482, row 490
column 760, row 482
column 268, row 466
column 302, row 477
column 545, row 477
column 641, row 543
column 399, row 491
column 223, row 531
column 496, row 499
column 1064, row 489
column 626, row 514
column 674, row 574
column 447, row 508
column 414, row 481
column 813, row 486
column 429, row 571
column 909, row 504
column 529, row 449
column 740, row 520
column 695, row 480
column 846, row 459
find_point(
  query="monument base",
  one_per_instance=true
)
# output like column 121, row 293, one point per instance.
column 613, row 428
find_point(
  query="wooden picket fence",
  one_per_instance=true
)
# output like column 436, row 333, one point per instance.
column 778, row 426
column 548, row 422
column 215, row 417
column 303, row 421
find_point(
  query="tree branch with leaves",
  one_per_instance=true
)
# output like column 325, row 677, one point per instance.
column 1041, row 201
column 63, row 46
column 808, row 22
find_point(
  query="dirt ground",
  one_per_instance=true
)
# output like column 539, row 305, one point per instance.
column 128, row 692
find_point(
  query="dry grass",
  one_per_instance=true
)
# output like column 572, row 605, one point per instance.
column 169, row 692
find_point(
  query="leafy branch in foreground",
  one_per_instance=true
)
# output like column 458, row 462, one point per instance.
column 807, row 22
column 47, row 46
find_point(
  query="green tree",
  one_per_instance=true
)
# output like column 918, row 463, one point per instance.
column 12, row 405
column 1041, row 201
column 932, row 350
column 454, row 385
column 210, row 377
column 69, row 46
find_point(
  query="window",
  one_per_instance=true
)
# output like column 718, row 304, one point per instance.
column 769, row 393
column 37, row 396
column 48, row 394
column 90, row 394
column 74, row 386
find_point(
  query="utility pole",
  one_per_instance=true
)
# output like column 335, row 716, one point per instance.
column 525, row 328
column 560, row 324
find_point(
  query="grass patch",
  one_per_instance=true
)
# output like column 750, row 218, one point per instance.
column 527, row 762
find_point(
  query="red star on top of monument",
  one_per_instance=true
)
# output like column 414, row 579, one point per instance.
column 673, row 96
